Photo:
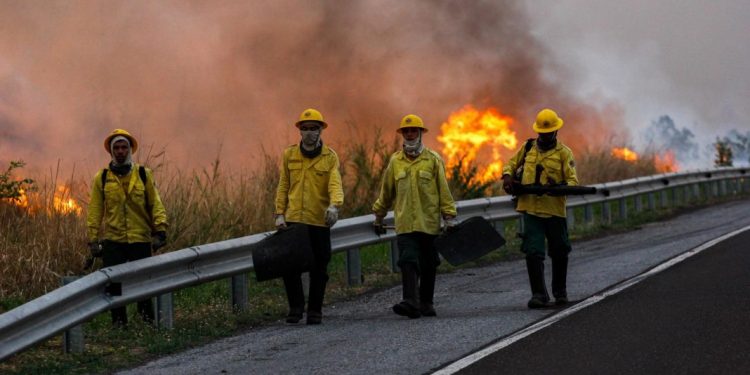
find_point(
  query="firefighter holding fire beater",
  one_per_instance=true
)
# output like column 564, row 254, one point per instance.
column 309, row 193
column 414, row 184
column 124, row 195
column 543, row 161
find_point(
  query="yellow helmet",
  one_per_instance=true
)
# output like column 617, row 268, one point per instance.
column 412, row 121
column 547, row 121
column 124, row 133
column 311, row 114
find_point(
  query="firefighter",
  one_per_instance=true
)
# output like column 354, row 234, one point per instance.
column 414, row 184
column 309, row 193
column 545, row 161
column 125, row 197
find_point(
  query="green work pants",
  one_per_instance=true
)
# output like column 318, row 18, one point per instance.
column 554, row 229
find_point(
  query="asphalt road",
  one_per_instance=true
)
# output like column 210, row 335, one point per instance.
column 692, row 318
column 475, row 308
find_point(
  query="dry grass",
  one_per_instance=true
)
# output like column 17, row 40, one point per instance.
column 204, row 206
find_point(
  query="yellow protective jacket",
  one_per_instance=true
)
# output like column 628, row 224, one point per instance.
column 558, row 167
column 123, row 208
column 307, row 186
column 418, row 191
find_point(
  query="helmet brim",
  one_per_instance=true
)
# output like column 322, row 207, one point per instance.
column 323, row 124
column 548, row 130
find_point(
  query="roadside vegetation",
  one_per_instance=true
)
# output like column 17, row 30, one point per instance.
column 40, row 244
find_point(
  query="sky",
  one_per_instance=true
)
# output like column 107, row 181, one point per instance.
column 201, row 80
column 687, row 59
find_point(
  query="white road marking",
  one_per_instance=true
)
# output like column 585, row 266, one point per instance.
column 476, row 356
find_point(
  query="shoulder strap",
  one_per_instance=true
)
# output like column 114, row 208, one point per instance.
column 104, row 182
column 529, row 144
column 142, row 174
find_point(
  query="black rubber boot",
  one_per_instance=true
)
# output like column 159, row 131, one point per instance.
column 315, row 299
column 296, row 297
column 409, row 306
column 427, row 291
column 559, row 280
column 539, row 296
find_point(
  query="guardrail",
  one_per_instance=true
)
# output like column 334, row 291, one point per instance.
column 84, row 298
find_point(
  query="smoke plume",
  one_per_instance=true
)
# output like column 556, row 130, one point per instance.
column 195, row 78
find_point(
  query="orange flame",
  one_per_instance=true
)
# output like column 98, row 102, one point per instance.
column 469, row 134
column 666, row 162
column 61, row 203
column 625, row 153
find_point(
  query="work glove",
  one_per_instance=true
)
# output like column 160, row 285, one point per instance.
column 450, row 224
column 332, row 215
column 158, row 240
column 280, row 222
column 95, row 248
column 508, row 184
column 377, row 225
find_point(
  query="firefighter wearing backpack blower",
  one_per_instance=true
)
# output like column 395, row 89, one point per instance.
column 125, row 197
column 543, row 161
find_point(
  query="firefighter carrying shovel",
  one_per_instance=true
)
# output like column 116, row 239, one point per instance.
column 415, row 186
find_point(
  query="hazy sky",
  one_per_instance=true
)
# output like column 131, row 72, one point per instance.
column 195, row 78
column 689, row 59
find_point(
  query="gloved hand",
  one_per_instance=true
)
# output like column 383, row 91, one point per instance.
column 95, row 248
column 280, row 222
column 332, row 215
column 508, row 184
column 158, row 240
column 450, row 223
column 377, row 225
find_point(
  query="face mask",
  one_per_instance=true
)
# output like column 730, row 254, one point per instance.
column 414, row 147
column 310, row 138
column 547, row 142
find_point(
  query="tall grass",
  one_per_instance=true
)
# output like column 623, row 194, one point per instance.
column 213, row 204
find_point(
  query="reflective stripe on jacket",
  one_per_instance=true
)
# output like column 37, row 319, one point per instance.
column 307, row 186
column 125, row 214
column 558, row 167
column 418, row 192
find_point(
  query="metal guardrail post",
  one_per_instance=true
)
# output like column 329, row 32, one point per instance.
column 521, row 228
column 714, row 189
column 638, row 203
column 651, row 201
column 606, row 212
column 697, row 192
column 570, row 217
column 305, row 284
column 165, row 311
column 723, row 187
column 72, row 338
column 394, row 256
column 664, row 198
column 588, row 214
column 499, row 227
column 239, row 292
column 623, row 208
column 353, row 267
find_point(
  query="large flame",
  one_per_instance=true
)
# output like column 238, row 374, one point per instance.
column 471, row 134
column 624, row 153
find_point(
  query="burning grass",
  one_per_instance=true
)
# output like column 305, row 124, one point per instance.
column 45, row 238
